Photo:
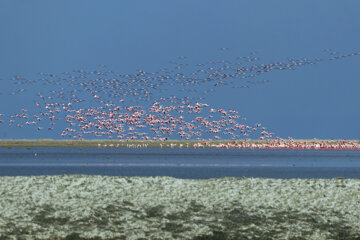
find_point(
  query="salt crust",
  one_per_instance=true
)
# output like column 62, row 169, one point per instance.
column 85, row 207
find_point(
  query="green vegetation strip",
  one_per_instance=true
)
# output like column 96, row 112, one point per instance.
column 148, row 143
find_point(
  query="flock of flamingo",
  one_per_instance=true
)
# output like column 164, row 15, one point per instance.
column 157, row 106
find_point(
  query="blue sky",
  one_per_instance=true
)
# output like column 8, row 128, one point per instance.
column 316, row 101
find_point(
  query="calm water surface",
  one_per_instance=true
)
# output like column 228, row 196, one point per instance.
column 180, row 163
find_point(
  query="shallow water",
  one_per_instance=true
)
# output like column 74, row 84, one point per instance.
column 180, row 163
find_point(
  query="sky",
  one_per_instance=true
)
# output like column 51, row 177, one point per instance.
column 316, row 101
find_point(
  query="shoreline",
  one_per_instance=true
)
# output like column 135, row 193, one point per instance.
column 104, row 207
column 240, row 144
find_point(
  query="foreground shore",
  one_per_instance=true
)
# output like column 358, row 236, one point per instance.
column 103, row 207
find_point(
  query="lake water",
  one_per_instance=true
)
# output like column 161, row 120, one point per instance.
column 180, row 163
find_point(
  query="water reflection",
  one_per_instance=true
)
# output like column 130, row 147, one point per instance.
column 183, row 163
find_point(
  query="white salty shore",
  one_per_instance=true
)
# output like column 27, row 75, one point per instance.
column 104, row 207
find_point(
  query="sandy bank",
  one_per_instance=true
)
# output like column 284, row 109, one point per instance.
column 234, row 144
column 102, row 207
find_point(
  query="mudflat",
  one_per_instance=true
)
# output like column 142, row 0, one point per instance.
column 105, row 207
